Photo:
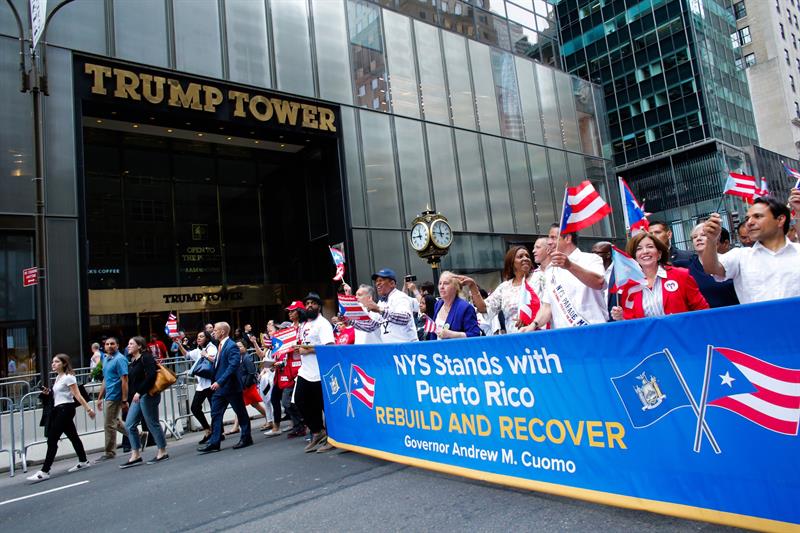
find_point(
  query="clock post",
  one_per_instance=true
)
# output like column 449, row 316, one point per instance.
column 431, row 237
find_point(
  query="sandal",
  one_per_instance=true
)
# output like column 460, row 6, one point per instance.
column 231, row 432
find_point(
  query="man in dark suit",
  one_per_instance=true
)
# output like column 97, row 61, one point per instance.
column 227, row 390
column 663, row 232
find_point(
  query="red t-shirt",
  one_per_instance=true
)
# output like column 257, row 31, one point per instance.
column 158, row 349
column 346, row 335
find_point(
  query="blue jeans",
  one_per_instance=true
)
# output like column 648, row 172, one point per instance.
column 146, row 407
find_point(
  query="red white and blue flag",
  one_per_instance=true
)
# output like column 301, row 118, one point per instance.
column 761, row 190
column 627, row 273
column 362, row 386
column 283, row 340
column 430, row 325
column 529, row 303
column 351, row 308
column 741, row 185
column 632, row 211
column 171, row 327
column 338, row 260
column 582, row 208
column 763, row 393
column 792, row 173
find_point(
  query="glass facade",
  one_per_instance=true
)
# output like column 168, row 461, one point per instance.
column 448, row 104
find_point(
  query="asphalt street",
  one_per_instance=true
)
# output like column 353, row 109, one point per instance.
column 274, row 486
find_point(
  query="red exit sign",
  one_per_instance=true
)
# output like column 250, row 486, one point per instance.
column 30, row 276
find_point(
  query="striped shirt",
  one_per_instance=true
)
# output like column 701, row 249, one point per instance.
column 653, row 299
column 395, row 321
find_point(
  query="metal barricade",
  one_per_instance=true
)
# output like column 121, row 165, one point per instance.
column 7, row 413
column 16, row 387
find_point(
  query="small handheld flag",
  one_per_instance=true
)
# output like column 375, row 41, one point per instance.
column 762, row 190
column 338, row 260
column 171, row 327
column 792, row 173
column 351, row 308
column 284, row 339
column 529, row 304
column 741, row 185
column 632, row 211
column 582, row 207
column 627, row 273
column 430, row 325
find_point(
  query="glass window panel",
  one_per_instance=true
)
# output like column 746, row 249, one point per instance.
column 197, row 235
column 241, row 230
column 443, row 174
column 61, row 182
column 517, row 14
column 294, row 72
column 492, row 30
column 362, row 259
column 521, row 193
column 197, row 40
column 388, row 251
column 559, row 175
column 148, row 225
column 473, row 187
column 413, row 173
column 524, row 41
column 140, row 31
column 248, row 51
column 587, row 118
column 457, row 16
column 355, row 185
column 530, row 101
column 485, row 99
column 333, row 55
column 400, row 56
column 16, row 301
column 542, row 187
column 382, row 202
column 461, row 102
column 505, row 82
column 497, row 182
column 566, row 102
column 79, row 25
column 104, row 225
column 577, row 171
column 549, row 106
column 432, row 86
column 366, row 48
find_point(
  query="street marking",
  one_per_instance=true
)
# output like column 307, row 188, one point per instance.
column 44, row 492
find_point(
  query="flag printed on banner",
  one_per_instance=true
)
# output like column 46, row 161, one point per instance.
column 171, row 328
column 741, row 185
column 632, row 211
column 351, row 308
column 283, row 340
column 582, row 207
column 362, row 386
column 338, row 260
column 529, row 303
column 763, row 393
column 627, row 273
column 335, row 385
column 651, row 390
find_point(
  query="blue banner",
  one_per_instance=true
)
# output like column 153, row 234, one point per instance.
column 694, row 415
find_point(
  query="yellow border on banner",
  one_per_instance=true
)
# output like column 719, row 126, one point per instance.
column 605, row 498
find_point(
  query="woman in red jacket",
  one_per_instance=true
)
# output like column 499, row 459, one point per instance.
column 669, row 289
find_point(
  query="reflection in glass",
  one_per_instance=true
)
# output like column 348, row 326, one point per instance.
column 140, row 31
column 79, row 25
column 559, row 175
column 241, row 227
column 505, row 82
column 413, row 174
column 248, row 53
column 547, row 99
column 566, row 102
column 400, row 56
column 431, row 73
column 530, row 101
column 497, row 184
column 366, row 46
column 388, row 251
column 443, row 174
column 355, row 186
column 492, row 30
column 292, row 47
column 524, row 41
column 473, row 187
column 587, row 118
column 485, row 99
column 330, row 31
column 197, row 235
column 461, row 103
column 457, row 16
column 362, row 259
column 521, row 193
column 197, row 40
column 542, row 187
column 382, row 204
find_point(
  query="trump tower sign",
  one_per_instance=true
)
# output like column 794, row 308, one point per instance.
column 693, row 415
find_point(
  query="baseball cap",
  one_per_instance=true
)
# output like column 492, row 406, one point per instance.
column 295, row 305
column 385, row 273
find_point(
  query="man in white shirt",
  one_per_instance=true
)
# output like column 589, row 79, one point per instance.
column 770, row 269
column 315, row 331
column 574, row 286
column 368, row 337
column 396, row 321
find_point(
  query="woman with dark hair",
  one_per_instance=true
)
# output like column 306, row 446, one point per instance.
column 203, row 390
column 517, row 267
column 669, row 289
column 141, row 378
column 60, row 422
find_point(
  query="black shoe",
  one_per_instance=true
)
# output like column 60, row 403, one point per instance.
column 284, row 418
column 244, row 443
column 208, row 448
column 204, row 440
column 222, row 437
column 128, row 464
column 155, row 460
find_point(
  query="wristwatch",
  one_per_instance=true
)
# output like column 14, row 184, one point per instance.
column 536, row 325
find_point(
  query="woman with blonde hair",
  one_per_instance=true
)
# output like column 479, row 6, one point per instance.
column 455, row 317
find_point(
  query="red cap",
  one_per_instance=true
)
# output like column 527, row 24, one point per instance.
column 296, row 305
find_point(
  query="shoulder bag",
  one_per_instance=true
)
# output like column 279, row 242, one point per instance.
column 164, row 379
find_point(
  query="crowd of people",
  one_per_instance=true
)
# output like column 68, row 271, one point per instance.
column 567, row 288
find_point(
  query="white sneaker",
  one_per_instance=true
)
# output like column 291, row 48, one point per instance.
column 80, row 466
column 272, row 433
column 39, row 476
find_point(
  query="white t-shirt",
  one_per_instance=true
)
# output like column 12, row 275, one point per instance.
column 314, row 332
column 194, row 355
column 61, row 392
column 588, row 303
column 760, row 274
column 369, row 337
column 400, row 303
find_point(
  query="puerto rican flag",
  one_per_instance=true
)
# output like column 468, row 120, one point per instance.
column 338, row 260
column 351, row 308
column 529, row 303
column 762, row 190
column 283, row 340
column 171, row 327
column 763, row 393
column 430, row 325
column 362, row 386
column 741, row 185
column 792, row 173
column 582, row 208
column 635, row 217
column 627, row 274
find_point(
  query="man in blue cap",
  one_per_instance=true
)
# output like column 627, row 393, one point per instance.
column 396, row 322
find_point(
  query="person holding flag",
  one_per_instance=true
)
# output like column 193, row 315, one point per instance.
column 455, row 317
column 662, row 290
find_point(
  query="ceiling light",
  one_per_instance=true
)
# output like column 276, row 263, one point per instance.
column 199, row 134
column 169, row 131
column 99, row 121
column 135, row 125
column 229, row 138
column 256, row 142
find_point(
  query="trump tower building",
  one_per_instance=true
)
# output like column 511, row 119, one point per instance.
column 199, row 156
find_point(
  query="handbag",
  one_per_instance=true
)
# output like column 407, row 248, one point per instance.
column 202, row 368
column 164, row 379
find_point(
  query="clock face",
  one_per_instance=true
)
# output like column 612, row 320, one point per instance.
column 420, row 236
column 441, row 234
